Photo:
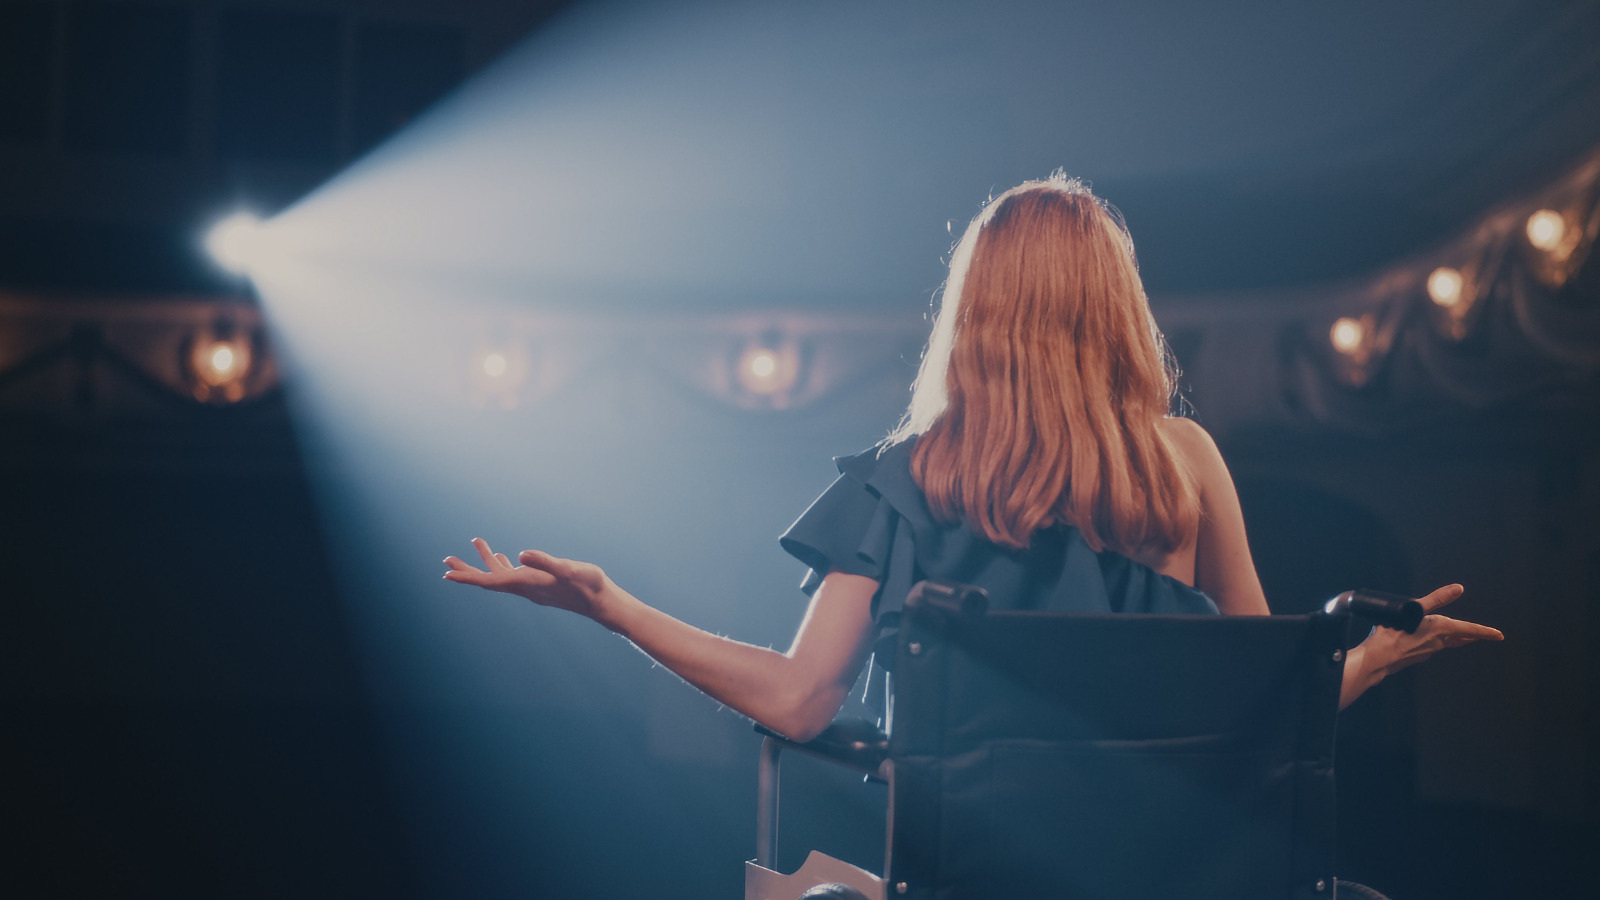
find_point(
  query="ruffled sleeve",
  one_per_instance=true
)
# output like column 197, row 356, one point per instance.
column 850, row 528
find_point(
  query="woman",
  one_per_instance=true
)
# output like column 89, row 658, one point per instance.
column 1036, row 460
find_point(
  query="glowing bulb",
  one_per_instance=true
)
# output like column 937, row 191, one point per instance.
column 763, row 363
column 1347, row 334
column 495, row 365
column 222, row 359
column 220, row 363
column 767, row 371
column 235, row 242
column 1444, row 286
column 1546, row 228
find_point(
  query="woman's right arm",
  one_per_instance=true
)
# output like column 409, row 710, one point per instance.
column 795, row 693
column 1225, row 571
column 1222, row 564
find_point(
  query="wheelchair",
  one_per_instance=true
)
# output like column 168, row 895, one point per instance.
column 1106, row 757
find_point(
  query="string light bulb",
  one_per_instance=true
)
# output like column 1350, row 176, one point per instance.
column 1444, row 286
column 762, row 364
column 1347, row 335
column 1546, row 228
column 766, row 371
column 220, row 364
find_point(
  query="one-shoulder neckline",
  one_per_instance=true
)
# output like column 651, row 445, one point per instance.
column 895, row 484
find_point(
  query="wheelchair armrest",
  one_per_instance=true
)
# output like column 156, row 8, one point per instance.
column 851, row 742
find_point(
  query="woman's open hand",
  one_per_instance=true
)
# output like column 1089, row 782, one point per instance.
column 1399, row 650
column 1387, row 651
column 567, row 584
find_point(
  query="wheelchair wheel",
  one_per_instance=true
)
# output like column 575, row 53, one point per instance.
column 1350, row 890
column 833, row 891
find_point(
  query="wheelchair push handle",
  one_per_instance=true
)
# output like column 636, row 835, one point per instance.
column 1388, row 610
column 950, row 600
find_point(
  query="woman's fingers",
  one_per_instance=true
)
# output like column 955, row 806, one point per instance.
column 482, row 546
column 466, row 573
column 1390, row 650
column 1471, row 631
column 469, row 575
column 538, row 559
column 1454, row 632
column 542, row 578
column 1442, row 597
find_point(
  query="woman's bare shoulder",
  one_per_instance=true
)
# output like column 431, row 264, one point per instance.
column 1189, row 436
column 1181, row 429
column 1199, row 451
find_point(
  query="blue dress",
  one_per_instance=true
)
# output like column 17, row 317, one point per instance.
column 874, row 521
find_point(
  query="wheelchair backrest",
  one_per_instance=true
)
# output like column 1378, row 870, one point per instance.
column 1114, row 756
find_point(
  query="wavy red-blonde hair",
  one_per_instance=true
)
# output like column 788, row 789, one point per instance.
column 1041, row 394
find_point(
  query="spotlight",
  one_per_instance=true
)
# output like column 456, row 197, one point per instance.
column 766, row 371
column 1444, row 286
column 1347, row 335
column 235, row 242
column 1546, row 228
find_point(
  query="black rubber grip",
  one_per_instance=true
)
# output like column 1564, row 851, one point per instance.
column 1378, row 607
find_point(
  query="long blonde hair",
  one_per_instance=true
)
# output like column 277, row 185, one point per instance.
column 1041, row 394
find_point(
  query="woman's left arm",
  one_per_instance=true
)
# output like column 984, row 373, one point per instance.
column 795, row 693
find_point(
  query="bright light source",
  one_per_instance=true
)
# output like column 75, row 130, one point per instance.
column 220, row 367
column 1347, row 335
column 1444, row 286
column 235, row 242
column 222, row 359
column 763, row 363
column 767, row 371
column 220, row 362
column 1546, row 228
column 498, row 373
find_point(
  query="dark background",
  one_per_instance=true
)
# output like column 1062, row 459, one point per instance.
column 197, row 699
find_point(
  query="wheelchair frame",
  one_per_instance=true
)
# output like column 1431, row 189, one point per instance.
column 859, row 745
